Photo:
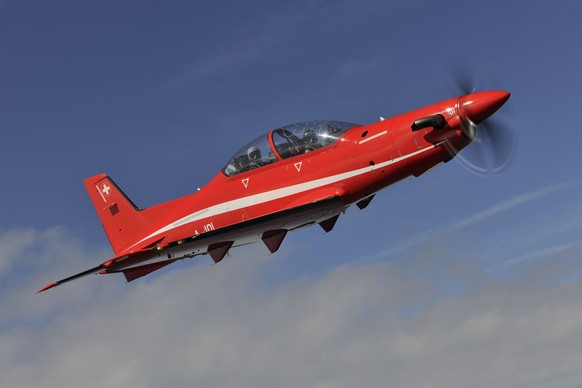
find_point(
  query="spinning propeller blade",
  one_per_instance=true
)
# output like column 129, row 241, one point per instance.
column 495, row 142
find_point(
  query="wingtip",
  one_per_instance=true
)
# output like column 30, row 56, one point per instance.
column 50, row 285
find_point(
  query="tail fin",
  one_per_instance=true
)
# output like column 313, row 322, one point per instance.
column 122, row 220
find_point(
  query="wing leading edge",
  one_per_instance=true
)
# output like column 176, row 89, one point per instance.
column 74, row 277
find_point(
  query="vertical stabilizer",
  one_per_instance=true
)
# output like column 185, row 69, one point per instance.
column 122, row 220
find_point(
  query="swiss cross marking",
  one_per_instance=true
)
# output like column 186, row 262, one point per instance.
column 106, row 189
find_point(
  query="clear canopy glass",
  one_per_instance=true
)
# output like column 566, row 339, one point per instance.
column 290, row 140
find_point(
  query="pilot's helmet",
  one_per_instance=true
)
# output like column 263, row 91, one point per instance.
column 254, row 153
column 332, row 128
column 309, row 137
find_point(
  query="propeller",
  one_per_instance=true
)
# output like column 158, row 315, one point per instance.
column 495, row 141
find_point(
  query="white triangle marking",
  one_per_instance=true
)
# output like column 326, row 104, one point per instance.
column 298, row 166
column 245, row 182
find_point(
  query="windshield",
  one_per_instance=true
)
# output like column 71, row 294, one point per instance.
column 255, row 154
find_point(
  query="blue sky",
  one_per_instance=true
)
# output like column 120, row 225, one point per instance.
column 446, row 273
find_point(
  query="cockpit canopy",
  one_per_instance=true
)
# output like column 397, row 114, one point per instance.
column 286, row 142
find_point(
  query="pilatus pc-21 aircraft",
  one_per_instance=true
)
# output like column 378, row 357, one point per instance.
column 292, row 177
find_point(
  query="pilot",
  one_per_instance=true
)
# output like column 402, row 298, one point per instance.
column 254, row 155
column 230, row 170
column 310, row 141
column 331, row 135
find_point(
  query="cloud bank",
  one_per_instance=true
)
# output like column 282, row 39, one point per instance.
column 377, row 325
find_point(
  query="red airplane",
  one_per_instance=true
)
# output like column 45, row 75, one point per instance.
column 292, row 177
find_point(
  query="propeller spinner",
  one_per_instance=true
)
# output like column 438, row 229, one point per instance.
column 495, row 143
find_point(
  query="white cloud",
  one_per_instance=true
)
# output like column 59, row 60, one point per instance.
column 13, row 242
column 229, row 325
column 543, row 253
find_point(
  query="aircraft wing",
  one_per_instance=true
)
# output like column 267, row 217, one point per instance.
column 322, row 208
column 103, row 268
column 74, row 277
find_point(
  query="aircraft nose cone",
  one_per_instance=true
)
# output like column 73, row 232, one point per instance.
column 477, row 107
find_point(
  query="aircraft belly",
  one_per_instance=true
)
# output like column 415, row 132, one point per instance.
column 240, row 234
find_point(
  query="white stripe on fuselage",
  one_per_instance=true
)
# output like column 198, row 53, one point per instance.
column 373, row 137
column 257, row 199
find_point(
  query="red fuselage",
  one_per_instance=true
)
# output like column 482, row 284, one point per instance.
column 288, row 192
